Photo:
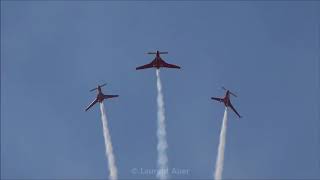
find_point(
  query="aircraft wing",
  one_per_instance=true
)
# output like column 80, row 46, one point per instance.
column 110, row 96
column 167, row 65
column 230, row 105
column 217, row 99
column 93, row 103
column 150, row 65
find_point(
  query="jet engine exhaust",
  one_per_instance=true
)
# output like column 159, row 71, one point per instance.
column 221, row 147
column 161, row 133
column 108, row 145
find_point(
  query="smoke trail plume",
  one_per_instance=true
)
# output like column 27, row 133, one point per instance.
column 107, row 140
column 161, row 134
column 222, row 142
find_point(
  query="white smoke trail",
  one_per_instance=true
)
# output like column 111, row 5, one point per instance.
column 222, row 143
column 162, row 172
column 107, row 140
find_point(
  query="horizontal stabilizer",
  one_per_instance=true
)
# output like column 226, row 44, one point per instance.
column 97, row 87
column 229, row 91
column 156, row 52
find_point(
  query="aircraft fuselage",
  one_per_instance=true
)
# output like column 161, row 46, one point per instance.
column 158, row 61
column 100, row 95
column 226, row 99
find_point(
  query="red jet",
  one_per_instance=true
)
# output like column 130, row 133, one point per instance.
column 158, row 62
column 226, row 100
column 100, row 96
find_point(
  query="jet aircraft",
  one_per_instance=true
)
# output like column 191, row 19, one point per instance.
column 226, row 100
column 158, row 62
column 100, row 96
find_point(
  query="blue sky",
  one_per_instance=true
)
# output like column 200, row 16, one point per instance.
column 53, row 53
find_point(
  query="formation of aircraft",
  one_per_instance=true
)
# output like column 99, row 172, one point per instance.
column 226, row 100
column 158, row 63
column 100, row 96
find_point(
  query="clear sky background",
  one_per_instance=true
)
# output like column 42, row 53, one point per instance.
column 53, row 53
